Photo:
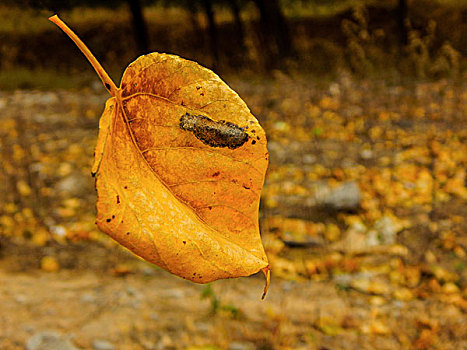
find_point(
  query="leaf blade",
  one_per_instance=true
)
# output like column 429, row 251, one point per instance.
column 222, row 258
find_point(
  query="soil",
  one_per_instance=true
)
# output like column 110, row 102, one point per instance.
column 143, row 307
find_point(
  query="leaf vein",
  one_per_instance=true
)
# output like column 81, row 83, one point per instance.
column 176, row 148
column 210, row 180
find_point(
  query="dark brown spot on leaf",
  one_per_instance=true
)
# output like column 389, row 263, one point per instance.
column 214, row 133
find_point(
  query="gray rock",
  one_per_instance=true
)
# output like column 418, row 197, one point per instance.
column 174, row 293
column 101, row 344
column 372, row 238
column 241, row 346
column 387, row 230
column 346, row 196
column 21, row 299
column 88, row 298
column 73, row 185
column 49, row 340
column 366, row 154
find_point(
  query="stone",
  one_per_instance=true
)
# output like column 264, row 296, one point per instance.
column 241, row 346
column 49, row 340
column 387, row 230
column 346, row 196
column 102, row 344
column 73, row 185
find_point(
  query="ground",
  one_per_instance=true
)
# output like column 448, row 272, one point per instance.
column 150, row 309
column 362, row 217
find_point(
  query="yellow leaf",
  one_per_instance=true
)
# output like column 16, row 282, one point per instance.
column 403, row 294
column 49, row 264
column 64, row 169
column 23, row 188
column 450, row 288
column 377, row 327
column 179, row 165
column 40, row 237
column 332, row 232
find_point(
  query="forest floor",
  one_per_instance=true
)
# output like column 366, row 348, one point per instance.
column 150, row 309
column 362, row 216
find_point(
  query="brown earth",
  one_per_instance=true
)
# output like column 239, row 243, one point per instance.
column 150, row 309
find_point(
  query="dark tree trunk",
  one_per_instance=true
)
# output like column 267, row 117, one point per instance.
column 193, row 9
column 139, row 26
column 212, row 29
column 275, row 35
column 239, row 30
column 401, row 23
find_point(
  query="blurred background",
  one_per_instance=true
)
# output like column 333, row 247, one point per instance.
column 363, row 213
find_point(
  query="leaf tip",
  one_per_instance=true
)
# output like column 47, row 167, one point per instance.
column 267, row 274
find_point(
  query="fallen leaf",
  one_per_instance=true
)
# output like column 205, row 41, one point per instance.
column 49, row 264
column 377, row 327
column 450, row 288
column 403, row 294
column 179, row 165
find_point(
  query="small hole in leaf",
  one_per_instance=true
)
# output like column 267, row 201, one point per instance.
column 108, row 220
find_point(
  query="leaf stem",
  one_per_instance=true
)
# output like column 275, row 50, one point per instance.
column 105, row 78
